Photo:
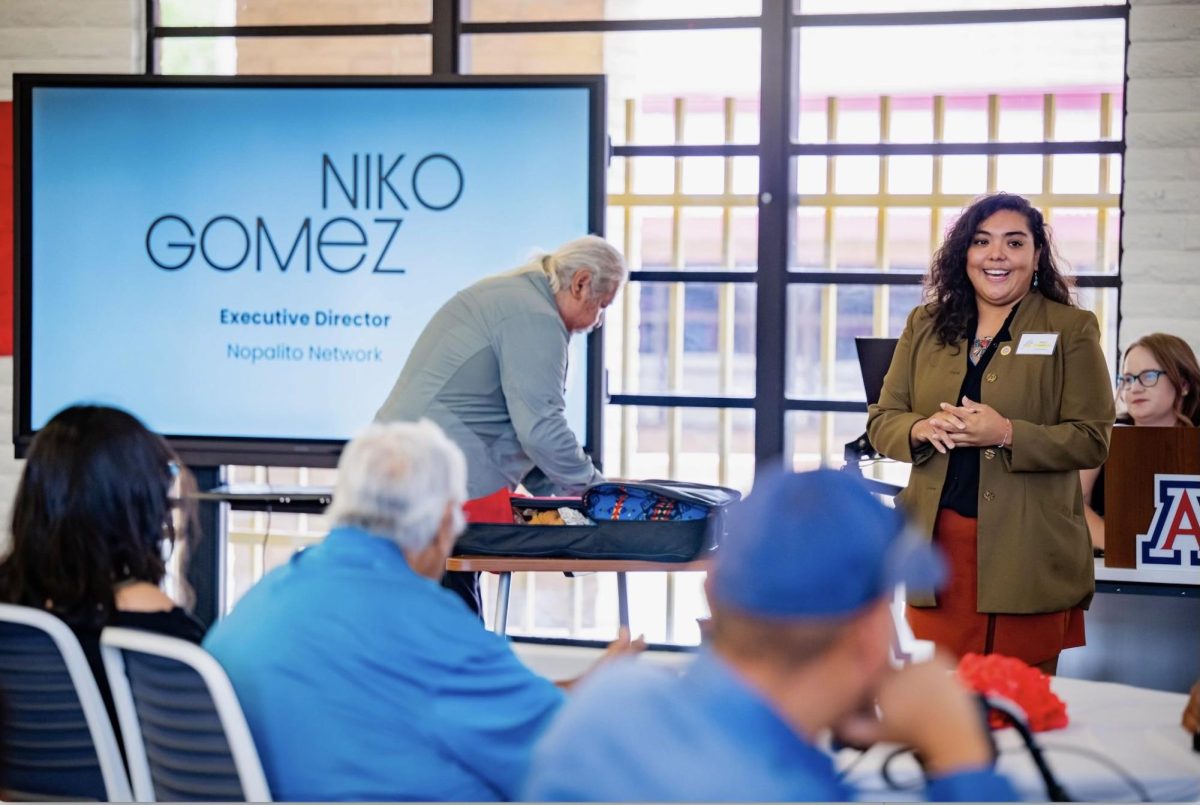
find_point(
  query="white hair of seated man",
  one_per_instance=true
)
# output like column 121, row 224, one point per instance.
column 396, row 480
column 589, row 253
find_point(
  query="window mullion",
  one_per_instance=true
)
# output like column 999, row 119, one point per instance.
column 776, row 180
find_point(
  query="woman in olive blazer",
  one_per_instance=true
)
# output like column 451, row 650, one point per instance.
column 998, row 395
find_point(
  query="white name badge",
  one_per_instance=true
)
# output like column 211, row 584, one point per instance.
column 1037, row 343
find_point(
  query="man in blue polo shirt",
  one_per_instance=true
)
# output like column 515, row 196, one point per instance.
column 798, row 646
column 361, row 678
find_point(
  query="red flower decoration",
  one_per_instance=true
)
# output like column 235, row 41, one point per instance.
column 998, row 675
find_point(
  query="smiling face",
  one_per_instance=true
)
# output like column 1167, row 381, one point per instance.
column 1001, row 260
column 1152, row 406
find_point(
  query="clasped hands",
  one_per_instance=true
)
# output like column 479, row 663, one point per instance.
column 972, row 424
column 926, row 707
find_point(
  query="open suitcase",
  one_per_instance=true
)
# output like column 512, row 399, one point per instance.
column 669, row 521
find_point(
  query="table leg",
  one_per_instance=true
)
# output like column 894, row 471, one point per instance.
column 502, row 588
column 622, row 599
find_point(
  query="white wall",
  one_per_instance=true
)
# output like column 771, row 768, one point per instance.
column 58, row 36
column 1161, row 263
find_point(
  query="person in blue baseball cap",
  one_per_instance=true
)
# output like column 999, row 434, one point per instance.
column 798, row 647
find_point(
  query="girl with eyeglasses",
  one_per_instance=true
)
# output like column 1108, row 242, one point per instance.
column 1158, row 387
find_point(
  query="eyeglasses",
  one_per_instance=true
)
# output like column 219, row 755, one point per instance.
column 1147, row 377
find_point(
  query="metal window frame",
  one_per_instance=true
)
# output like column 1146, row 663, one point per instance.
column 776, row 201
column 778, row 22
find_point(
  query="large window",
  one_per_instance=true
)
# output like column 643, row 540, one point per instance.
column 782, row 171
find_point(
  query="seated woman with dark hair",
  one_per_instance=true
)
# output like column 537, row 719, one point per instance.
column 1158, row 387
column 93, row 523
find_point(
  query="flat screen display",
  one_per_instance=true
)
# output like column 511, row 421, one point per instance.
column 245, row 265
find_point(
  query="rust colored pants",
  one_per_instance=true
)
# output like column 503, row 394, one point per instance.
column 957, row 625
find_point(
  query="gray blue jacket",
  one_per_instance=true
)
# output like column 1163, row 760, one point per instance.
column 490, row 369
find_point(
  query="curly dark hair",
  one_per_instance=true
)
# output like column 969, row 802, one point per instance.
column 93, row 508
column 950, row 297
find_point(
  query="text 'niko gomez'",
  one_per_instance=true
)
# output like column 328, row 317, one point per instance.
column 341, row 244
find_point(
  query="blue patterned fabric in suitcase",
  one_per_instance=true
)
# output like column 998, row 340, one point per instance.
column 613, row 500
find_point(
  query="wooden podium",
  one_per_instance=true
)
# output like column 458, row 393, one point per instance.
column 1135, row 456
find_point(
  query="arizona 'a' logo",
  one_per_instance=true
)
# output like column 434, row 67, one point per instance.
column 1174, row 538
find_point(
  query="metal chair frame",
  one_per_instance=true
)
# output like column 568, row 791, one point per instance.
column 114, row 641
column 108, row 752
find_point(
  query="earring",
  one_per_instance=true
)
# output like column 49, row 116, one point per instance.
column 1035, row 279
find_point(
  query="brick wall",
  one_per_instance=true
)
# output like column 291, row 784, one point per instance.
column 58, row 36
column 1161, row 265
column 346, row 55
column 544, row 53
column 541, row 53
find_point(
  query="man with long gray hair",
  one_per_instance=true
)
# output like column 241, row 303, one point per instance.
column 361, row 678
column 490, row 369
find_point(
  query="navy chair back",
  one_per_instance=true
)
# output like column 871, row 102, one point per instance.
column 185, row 735
column 57, row 739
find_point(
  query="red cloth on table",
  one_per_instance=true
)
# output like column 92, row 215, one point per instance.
column 493, row 508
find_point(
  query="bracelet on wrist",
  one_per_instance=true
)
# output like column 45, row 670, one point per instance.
column 1007, row 433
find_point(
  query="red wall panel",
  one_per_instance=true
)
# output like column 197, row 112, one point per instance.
column 6, row 228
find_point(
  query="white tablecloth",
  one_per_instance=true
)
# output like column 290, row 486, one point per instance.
column 1135, row 728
